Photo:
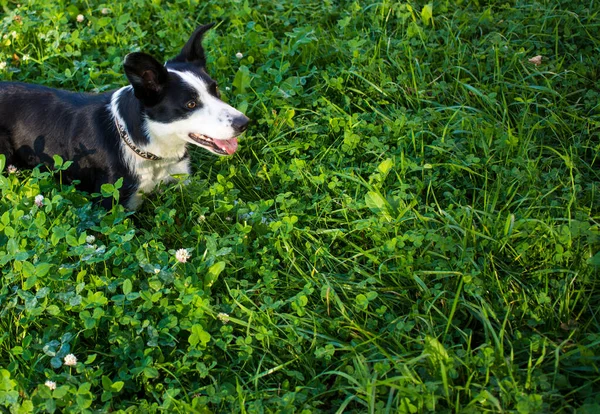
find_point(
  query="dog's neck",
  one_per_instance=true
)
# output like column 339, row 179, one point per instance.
column 127, row 111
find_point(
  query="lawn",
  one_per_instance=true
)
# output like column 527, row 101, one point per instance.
column 411, row 223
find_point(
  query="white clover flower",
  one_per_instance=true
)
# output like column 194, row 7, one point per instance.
column 2, row 65
column 536, row 60
column 90, row 239
column 182, row 255
column 156, row 270
column 105, row 11
column 70, row 360
column 239, row 55
column 223, row 317
column 39, row 200
column 80, row 18
column 25, row 57
column 13, row 34
column 202, row 218
column 50, row 384
column 11, row 168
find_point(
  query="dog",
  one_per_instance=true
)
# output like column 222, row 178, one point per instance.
column 139, row 132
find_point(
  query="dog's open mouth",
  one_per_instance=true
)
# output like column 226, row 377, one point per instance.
column 218, row 146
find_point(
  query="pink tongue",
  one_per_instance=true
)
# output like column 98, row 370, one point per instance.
column 227, row 145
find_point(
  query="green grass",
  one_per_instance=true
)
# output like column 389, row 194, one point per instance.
column 410, row 225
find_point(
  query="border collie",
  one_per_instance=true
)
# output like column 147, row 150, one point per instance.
column 139, row 132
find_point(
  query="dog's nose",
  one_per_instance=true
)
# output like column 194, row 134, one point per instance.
column 240, row 123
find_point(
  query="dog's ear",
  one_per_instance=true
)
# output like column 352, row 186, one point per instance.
column 193, row 52
column 147, row 76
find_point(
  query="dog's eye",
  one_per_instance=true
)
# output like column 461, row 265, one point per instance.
column 191, row 104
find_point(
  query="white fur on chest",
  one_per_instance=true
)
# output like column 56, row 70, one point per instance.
column 150, row 174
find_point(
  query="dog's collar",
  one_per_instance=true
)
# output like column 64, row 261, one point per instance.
column 125, row 137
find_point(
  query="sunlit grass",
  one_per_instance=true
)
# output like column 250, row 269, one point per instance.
column 410, row 224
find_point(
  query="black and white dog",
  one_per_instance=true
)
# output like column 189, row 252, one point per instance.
column 139, row 132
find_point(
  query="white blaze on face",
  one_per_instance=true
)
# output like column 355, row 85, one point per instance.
column 213, row 121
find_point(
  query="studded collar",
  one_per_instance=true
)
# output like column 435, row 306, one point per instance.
column 125, row 137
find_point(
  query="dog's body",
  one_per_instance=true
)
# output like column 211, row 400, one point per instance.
column 139, row 132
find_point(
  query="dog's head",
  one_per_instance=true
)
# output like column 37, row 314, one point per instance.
column 182, row 102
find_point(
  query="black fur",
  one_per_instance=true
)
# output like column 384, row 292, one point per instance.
column 193, row 52
column 37, row 122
